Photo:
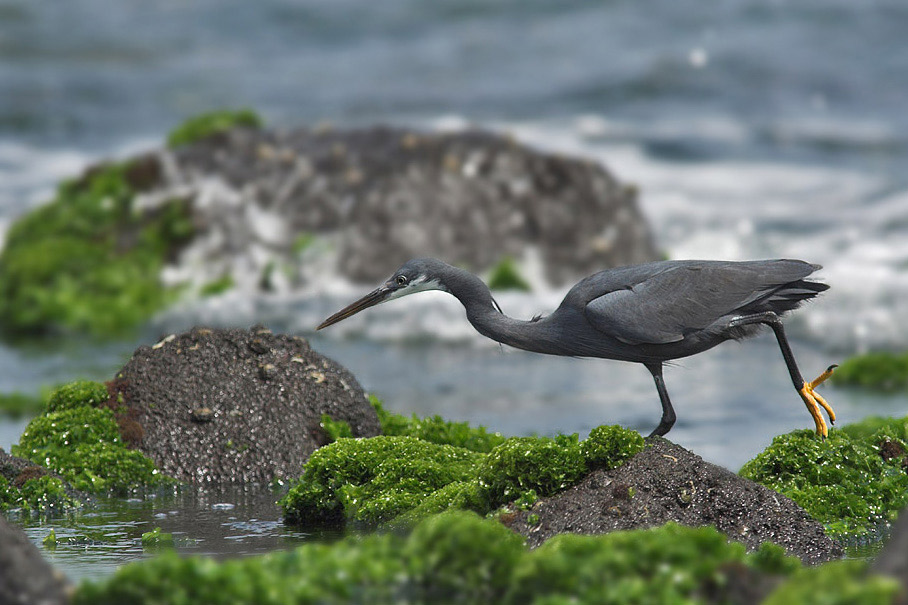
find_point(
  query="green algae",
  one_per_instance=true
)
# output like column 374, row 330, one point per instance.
column 521, row 464
column 50, row 540
column 43, row 494
column 461, row 554
column 426, row 469
column 206, row 125
column 82, row 444
column 880, row 371
column 671, row 564
column 459, row 495
column 459, row 557
column 373, row 480
column 335, row 429
column 505, row 276
column 77, row 394
column 610, row 446
column 89, row 261
column 844, row 482
column 156, row 539
column 836, row 583
column 435, row 429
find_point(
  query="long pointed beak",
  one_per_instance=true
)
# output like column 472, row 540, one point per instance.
column 371, row 299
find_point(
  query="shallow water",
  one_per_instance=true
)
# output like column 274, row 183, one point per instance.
column 93, row 542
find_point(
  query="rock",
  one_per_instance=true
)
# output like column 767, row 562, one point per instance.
column 893, row 559
column 666, row 482
column 384, row 195
column 208, row 414
column 12, row 467
column 25, row 577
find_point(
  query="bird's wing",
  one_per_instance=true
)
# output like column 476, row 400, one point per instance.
column 665, row 306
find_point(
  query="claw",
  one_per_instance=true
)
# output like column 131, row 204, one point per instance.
column 813, row 384
column 814, row 401
column 810, row 400
column 822, row 377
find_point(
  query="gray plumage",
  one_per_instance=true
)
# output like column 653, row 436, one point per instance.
column 649, row 313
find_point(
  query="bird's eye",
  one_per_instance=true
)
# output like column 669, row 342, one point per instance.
column 401, row 280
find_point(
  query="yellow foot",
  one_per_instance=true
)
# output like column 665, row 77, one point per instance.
column 813, row 401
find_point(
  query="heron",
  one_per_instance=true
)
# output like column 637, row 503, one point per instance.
column 649, row 313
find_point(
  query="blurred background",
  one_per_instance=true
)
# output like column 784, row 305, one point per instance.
column 750, row 128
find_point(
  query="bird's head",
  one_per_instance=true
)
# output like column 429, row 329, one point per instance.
column 417, row 275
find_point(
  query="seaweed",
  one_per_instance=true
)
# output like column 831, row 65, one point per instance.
column 82, row 444
column 843, row 482
column 373, row 480
column 89, row 261
column 836, row 583
column 459, row 557
column 404, row 478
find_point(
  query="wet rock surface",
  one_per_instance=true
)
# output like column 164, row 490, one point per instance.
column 665, row 483
column 383, row 195
column 25, row 577
column 203, row 406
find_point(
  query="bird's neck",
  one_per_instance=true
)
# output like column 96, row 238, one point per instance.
column 482, row 313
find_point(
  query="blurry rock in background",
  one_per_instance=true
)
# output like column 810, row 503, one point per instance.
column 265, row 210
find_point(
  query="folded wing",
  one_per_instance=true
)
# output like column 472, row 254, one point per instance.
column 691, row 296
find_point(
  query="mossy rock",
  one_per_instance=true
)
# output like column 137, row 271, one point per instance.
column 458, row 557
column 208, row 124
column 404, row 478
column 89, row 261
column 44, row 494
column 885, row 372
column 843, row 482
column 82, row 443
column 373, row 480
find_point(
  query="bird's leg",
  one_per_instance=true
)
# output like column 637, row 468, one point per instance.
column 811, row 399
column 668, row 412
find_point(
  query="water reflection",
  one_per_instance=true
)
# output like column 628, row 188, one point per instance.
column 228, row 522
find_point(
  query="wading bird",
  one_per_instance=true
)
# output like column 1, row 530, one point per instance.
column 649, row 313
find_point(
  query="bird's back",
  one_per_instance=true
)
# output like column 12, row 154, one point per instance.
column 670, row 309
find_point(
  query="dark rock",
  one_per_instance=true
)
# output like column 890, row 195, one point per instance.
column 25, row 577
column 893, row 559
column 666, row 483
column 384, row 195
column 12, row 467
column 208, row 415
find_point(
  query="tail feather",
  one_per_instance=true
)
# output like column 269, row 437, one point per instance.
column 787, row 297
